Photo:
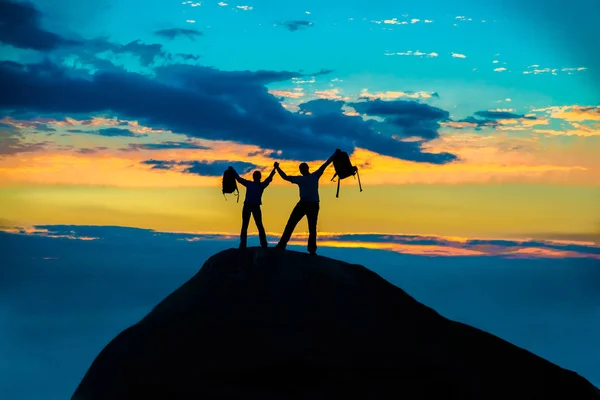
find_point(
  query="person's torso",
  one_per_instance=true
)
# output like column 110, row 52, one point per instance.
column 309, row 187
column 254, row 193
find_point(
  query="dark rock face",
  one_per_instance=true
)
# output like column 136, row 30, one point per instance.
column 269, row 324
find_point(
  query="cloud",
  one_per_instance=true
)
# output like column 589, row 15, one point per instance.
column 458, row 55
column 321, row 107
column 202, row 168
column 86, row 150
column 295, row 94
column 536, row 70
column 112, row 132
column 12, row 142
column 501, row 69
column 393, row 95
column 416, row 53
column 580, row 130
column 169, row 145
column 26, row 124
column 173, row 33
column 407, row 119
column 108, row 132
column 101, row 54
column 245, row 8
column 295, row 25
column 13, row 145
column 501, row 119
column 20, row 27
column 203, row 102
column 502, row 114
column 331, row 94
column 573, row 113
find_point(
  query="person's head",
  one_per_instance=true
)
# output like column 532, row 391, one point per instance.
column 256, row 176
column 304, row 168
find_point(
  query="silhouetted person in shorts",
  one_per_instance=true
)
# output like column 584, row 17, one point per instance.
column 308, row 184
column 252, row 203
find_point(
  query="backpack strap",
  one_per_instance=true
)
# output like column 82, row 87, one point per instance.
column 359, row 185
column 338, row 190
column 334, row 175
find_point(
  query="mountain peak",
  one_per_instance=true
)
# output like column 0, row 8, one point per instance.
column 267, row 323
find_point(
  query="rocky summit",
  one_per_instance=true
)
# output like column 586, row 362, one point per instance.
column 271, row 324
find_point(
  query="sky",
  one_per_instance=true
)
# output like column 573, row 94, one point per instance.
column 465, row 118
column 475, row 127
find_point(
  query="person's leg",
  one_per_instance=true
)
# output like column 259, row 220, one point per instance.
column 257, row 214
column 297, row 213
column 312, row 214
column 246, row 210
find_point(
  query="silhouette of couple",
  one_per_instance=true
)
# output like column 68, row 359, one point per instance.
column 308, row 185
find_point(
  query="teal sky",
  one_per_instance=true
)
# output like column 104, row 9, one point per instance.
column 351, row 38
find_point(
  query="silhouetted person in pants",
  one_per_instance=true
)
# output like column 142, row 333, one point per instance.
column 252, row 203
column 308, row 205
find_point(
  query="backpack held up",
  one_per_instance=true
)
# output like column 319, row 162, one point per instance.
column 229, row 184
column 344, row 169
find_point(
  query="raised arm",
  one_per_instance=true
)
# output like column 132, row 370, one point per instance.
column 322, row 168
column 238, row 178
column 269, row 179
column 283, row 174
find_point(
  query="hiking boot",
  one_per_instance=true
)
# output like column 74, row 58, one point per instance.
column 312, row 253
column 280, row 246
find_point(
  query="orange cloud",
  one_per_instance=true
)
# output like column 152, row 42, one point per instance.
column 573, row 113
column 330, row 94
column 287, row 93
column 391, row 95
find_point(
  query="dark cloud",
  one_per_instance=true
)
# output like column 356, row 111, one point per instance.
column 211, row 104
column 85, row 150
column 163, row 146
column 146, row 52
column 115, row 132
column 10, row 145
column 321, row 107
column 399, row 109
column 202, row 168
column 176, row 32
column 491, row 119
column 109, row 132
column 20, row 27
column 160, row 164
column 405, row 118
column 481, row 123
column 296, row 25
column 502, row 115
column 186, row 56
